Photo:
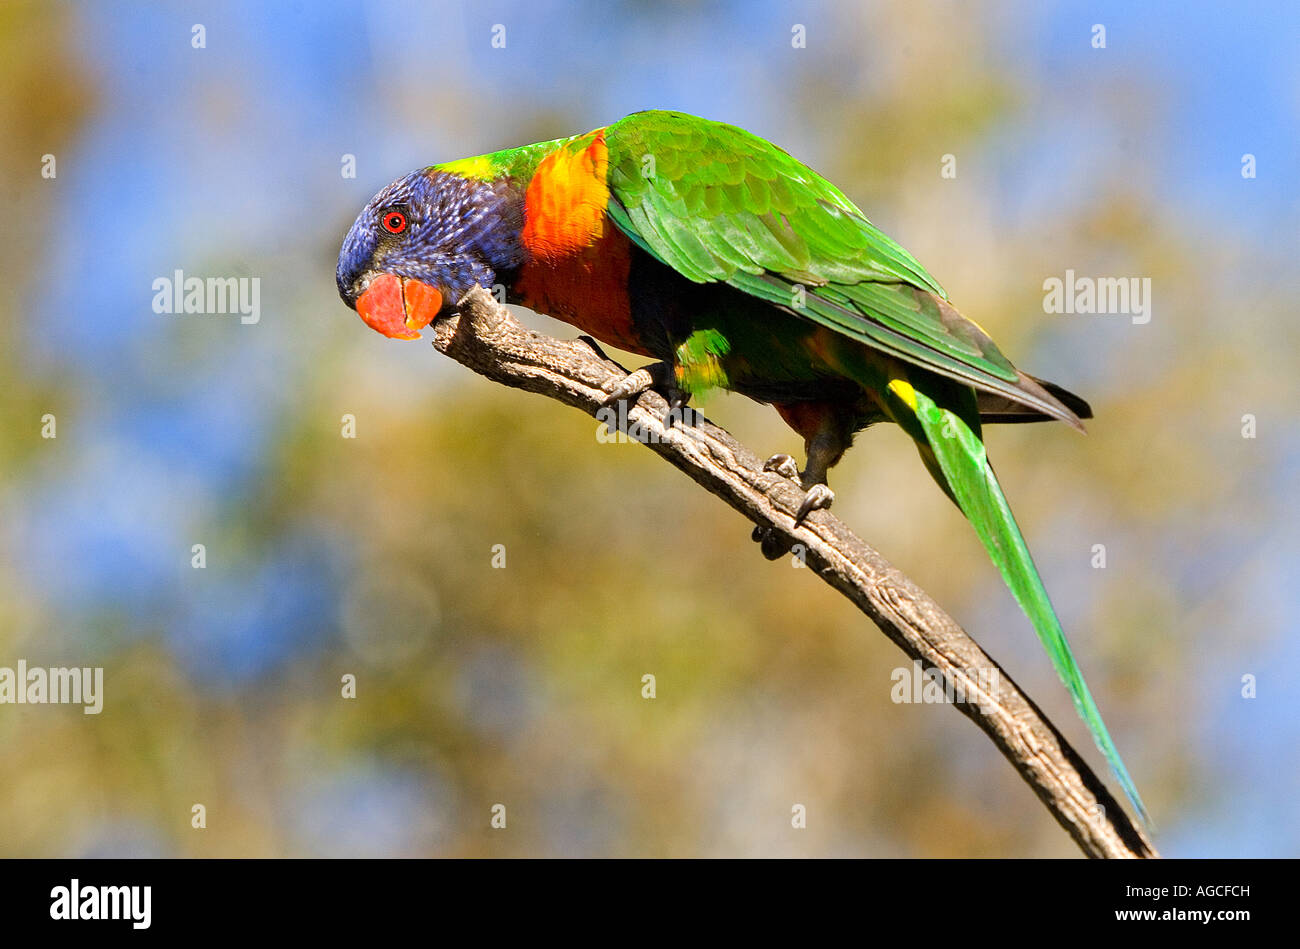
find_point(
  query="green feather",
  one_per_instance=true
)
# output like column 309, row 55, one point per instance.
column 733, row 180
column 745, row 213
column 948, row 436
column 699, row 362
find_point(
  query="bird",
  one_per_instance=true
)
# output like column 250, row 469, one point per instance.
column 734, row 266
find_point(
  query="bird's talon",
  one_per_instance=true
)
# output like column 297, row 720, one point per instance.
column 632, row 384
column 658, row 376
column 818, row 498
column 784, row 465
column 677, row 411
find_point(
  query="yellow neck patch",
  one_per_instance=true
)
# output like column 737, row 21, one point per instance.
column 478, row 168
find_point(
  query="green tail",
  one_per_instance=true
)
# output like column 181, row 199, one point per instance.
column 950, row 443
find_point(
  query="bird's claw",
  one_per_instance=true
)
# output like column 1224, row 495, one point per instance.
column 677, row 411
column 634, row 383
column 784, row 465
column 818, row 498
column 660, row 377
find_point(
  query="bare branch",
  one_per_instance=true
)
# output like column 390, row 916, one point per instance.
column 485, row 337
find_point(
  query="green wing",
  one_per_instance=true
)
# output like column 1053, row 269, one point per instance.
column 718, row 204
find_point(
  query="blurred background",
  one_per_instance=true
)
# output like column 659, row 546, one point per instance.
column 372, row 556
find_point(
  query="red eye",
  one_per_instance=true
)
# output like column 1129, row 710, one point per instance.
column 394, row 222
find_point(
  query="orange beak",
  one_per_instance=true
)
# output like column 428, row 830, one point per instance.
column 399, row 307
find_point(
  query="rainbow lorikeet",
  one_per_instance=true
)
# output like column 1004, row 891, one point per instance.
column 737, row 267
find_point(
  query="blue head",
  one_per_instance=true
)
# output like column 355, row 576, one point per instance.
column 421, row 243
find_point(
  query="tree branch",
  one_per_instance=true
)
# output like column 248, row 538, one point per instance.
column 485, row 337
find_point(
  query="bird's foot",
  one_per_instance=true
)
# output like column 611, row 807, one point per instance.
column 771, row 542
column 660, row 377
column 784, row 465
column 818, row 498
column 677, row 409
column 632, row 384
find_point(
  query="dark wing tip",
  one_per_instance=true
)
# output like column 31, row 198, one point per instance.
column 1056, row 401
column 1074, row 403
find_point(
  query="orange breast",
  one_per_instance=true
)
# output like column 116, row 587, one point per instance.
column 577, row 261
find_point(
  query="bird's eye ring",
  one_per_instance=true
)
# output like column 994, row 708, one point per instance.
column 394, row 222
